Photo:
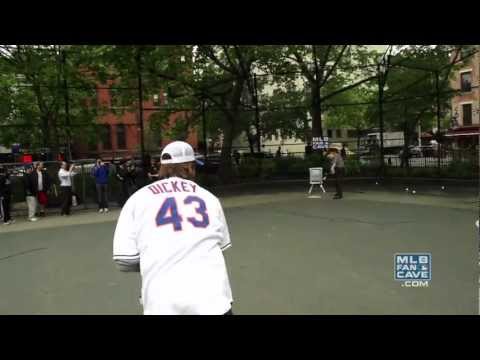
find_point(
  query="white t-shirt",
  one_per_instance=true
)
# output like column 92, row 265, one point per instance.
column 65, row 177
column 40, row 180
column 177, row 231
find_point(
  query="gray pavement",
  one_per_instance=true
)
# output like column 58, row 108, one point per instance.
column 291, row 255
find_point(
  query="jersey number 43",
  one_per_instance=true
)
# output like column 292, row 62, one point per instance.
column 168, row 213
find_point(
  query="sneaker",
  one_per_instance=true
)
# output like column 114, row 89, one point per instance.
column 105, row 210
column 100, row 211
column 12, row 221
column 33, row 219
column 7, row 223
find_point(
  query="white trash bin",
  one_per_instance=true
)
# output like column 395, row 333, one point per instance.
column 316, row 178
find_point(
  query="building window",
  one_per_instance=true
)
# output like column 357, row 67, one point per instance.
column 156, row 100
column 351, row 133
column 339, row 133
column 121, row 137
column 329, row 133
column 467, row 114
column 106, row 137
column 466, row 81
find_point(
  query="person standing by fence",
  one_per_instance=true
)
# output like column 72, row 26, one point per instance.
column 121, row 175
column 338, row 169
column 343, row 152
column 30, row 192
column 101, row 173
column 5, row 195
column 42, row 183
column 65, row 175
column 153, row 171
column 131, row 177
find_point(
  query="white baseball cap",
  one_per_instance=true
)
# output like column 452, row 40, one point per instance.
column 178, row 152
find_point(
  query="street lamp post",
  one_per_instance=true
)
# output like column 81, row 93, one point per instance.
column 437, row 90
column 257, row 114
column 381, row 70
column 67, row 105
column 204, row 125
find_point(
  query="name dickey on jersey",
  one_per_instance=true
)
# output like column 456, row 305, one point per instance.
column 172, row 186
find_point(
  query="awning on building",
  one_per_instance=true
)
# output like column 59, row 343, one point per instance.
column 464, row 131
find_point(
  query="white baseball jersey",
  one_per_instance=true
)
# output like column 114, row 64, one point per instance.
column 177, row 231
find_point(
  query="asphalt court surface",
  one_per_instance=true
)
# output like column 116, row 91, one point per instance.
column 291, row 255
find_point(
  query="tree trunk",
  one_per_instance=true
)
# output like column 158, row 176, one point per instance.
column 405, row 155
column 229, row 131
column 45, row 131
column 250, row 141
column 55, row 144
column 358, row 143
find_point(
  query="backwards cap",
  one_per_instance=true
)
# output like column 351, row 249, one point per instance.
column 178, row 152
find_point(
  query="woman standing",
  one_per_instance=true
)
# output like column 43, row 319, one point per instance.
column 42, row 184
column 65, row 176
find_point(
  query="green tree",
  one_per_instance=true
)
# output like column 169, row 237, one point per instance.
column 352, row 109
column 327, row 70
column 219, row 76
column 32, row 105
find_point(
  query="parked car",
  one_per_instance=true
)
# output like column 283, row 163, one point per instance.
column 428, row 151
column 415, row 151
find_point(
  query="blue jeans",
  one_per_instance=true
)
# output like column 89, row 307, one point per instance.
column 102, row 196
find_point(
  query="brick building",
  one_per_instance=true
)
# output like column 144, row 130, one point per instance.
column 119, row 135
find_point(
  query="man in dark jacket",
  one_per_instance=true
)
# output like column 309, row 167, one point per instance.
column 131, row 177
column 5, row 195
column 30, row 192
column 121, row 175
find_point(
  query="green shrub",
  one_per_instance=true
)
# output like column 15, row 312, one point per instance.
column 250, row 168
column 462, row 169
column 282, row 165
column 299, row 168
column 208, row 180
column 316, row 160
column 352, row 167
column 268, row 168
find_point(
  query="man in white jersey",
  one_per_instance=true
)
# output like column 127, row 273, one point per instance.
column 174, row 232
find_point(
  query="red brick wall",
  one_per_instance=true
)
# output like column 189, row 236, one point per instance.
column 130, row 120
